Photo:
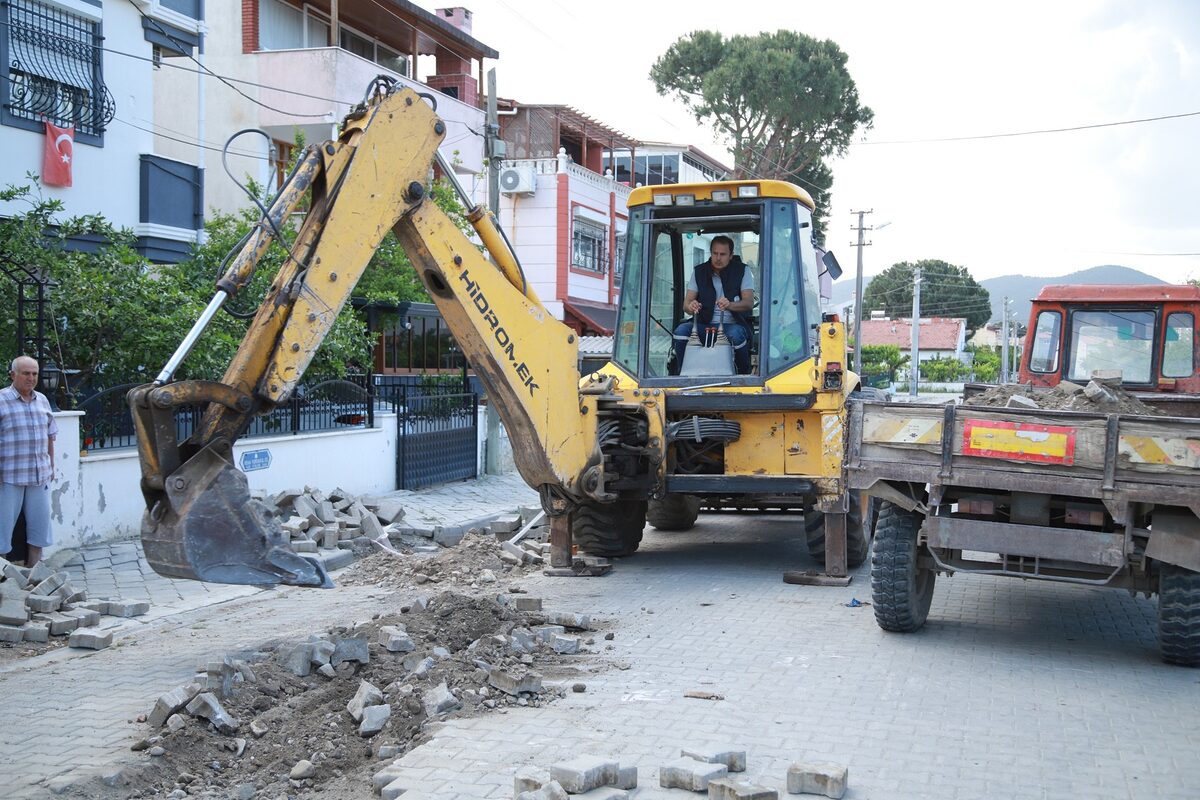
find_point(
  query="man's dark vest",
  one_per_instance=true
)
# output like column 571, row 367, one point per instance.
column 731, row 286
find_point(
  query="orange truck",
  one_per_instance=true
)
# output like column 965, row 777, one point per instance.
column 1094, row 499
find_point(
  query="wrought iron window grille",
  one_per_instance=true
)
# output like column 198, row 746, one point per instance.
column 589, row 246
column 54, row 69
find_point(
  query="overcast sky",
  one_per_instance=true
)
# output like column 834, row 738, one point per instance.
column 1045, row 204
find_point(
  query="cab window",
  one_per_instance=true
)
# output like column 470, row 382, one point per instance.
column 1046, row 335
column 1112, row 340
column 1178, row 357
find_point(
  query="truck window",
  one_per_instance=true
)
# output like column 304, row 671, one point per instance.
column 665, row 295
column 1178, row 356
column 789, row 341
column 1046, row 340
column 1112, row 340
column 625, row 346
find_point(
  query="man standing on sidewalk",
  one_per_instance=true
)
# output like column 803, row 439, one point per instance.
column 27, row 431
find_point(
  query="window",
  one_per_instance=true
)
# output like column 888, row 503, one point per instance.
column 280, row 26
column 619, row 261
column 1046, row 334
column 1112, row 340
column 53, row 59
column 284, row 152
column 629, row 313
column 589, row 248
column 1178, row 353
column 359, row 45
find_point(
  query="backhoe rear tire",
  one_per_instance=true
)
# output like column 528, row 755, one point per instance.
column 610, row 530
column 675, row 512
column 901, row 590
column 1179, row 615
column 859, row 526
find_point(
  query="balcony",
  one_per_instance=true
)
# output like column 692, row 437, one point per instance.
column 339, row 78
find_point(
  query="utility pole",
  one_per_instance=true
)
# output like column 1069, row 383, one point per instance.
column 915, row 361
column 1004, row 344
column 494, row 150
column 858, row 291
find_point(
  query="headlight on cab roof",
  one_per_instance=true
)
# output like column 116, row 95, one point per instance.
column 720, row 195
column 662, row 199
column 747, row 191
column 685, row 199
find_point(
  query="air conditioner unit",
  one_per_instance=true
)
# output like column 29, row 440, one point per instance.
column 519, row 179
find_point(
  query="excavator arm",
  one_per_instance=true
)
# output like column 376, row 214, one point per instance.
column 200, row 521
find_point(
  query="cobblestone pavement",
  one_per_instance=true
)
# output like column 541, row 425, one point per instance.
column 1013, row 689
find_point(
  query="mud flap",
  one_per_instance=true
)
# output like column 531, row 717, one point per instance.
column 209, row 529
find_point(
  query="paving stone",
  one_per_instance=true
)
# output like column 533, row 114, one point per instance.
column 303, row 506
column 817, row 777
column 389, row 511
column 87, row 618
column 505, row 523
column 350, row 648
column 304, row 546
column 90, row 640
column 395, row 639
column 551, row 791
column 12, row 633
column 367, row 695
column 322, row 651
column 732, row 758
column 170, row 702
column 739, row 789
column 176, row 722
column 14, row 609
column 627, row 777
column 36, row 632
column 336, row 558
column 564, row 645
column 520, row 602
column 514, row 551
column 325, row 511
column 385, row 776
column 397, row 787
column 207, row 706
column 690, row 774
column 298, row 660
column 545, row 633
column 372, row 528
column 530, row 779
column 439, row 700
column 60, row 623
column 14, row 574
column 127, row 608
column 584, row 773
column 38, row 573
column 374, row 719
column 569, row 620
column 515, row 682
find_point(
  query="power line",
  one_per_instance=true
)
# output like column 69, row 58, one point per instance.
column 1037, row 132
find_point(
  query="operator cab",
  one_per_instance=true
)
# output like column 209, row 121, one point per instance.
column 671, row 230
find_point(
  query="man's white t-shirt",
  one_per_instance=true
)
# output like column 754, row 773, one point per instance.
column 719, row 316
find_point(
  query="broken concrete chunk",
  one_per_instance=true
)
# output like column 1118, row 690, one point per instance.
column 367, row 695
column 564, row 645
column 530, row 779
column 302, row 769
column 350, row 648
column 322, row 651
column 739, row 789
column 1020, row 401
column 514, row 683
column 207, row 706
column 551, row 791
column 389, row 511
column 817, row 777
column 298, row 660
column 176, row 722
column 439, row 700
column 545, row 633
column 514, row 551
column 584, row 773
column 374, row 718
column 506, row 523
column 568, row 620
column 690, row 774
column 734, row 760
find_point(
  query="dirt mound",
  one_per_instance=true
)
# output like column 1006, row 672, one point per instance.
column 469, row 655
column 1096, row 397
column 467, row 564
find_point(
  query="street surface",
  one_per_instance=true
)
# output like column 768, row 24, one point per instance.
column 1013, row 689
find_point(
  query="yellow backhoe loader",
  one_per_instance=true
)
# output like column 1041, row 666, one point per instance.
column 642, row 439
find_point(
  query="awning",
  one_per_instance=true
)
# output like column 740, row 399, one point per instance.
column 600, row 320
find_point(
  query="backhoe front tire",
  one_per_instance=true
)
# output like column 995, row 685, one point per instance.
column 675, row 512
column 901, row 590
column 858, row 531
column 1179, row 615
column 610, row 530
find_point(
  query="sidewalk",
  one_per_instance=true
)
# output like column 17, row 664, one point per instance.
column 117, row 570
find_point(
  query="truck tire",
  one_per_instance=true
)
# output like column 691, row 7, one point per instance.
column 610, row 530
column 900, row 590
column 858, row 531
column 1179, row 615
column 675, row 512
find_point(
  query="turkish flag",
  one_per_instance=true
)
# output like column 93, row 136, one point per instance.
column 56, row 160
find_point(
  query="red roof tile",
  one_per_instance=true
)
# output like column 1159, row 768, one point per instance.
column 936, row 333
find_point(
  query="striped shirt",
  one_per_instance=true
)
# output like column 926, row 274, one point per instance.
column 26, row 426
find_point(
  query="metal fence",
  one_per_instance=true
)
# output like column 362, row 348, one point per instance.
column 437, row 435
column 325, row 406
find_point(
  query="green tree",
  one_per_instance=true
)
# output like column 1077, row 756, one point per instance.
column 883, row 358
column 986, row 364
column 943, row 370
column 781, row 101
column 946, row 291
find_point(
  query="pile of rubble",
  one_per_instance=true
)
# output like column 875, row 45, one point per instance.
column 317, row 714
column 708, row 770
column 37, row 603
column 1098, row 395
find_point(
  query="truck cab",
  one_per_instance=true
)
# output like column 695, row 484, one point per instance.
column 1147, row 333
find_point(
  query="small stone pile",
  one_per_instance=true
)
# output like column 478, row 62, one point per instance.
column 709, row 770
column 331, row 526
column 1097, row 396
column 37, row 603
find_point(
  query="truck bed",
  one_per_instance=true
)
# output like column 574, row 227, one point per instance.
column 1113, row 457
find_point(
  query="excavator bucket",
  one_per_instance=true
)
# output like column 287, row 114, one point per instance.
column 209, row 529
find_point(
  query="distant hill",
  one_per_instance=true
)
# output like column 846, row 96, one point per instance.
column 1021, row 289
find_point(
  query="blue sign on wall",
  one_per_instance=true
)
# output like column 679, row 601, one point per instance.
column 256, row 459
